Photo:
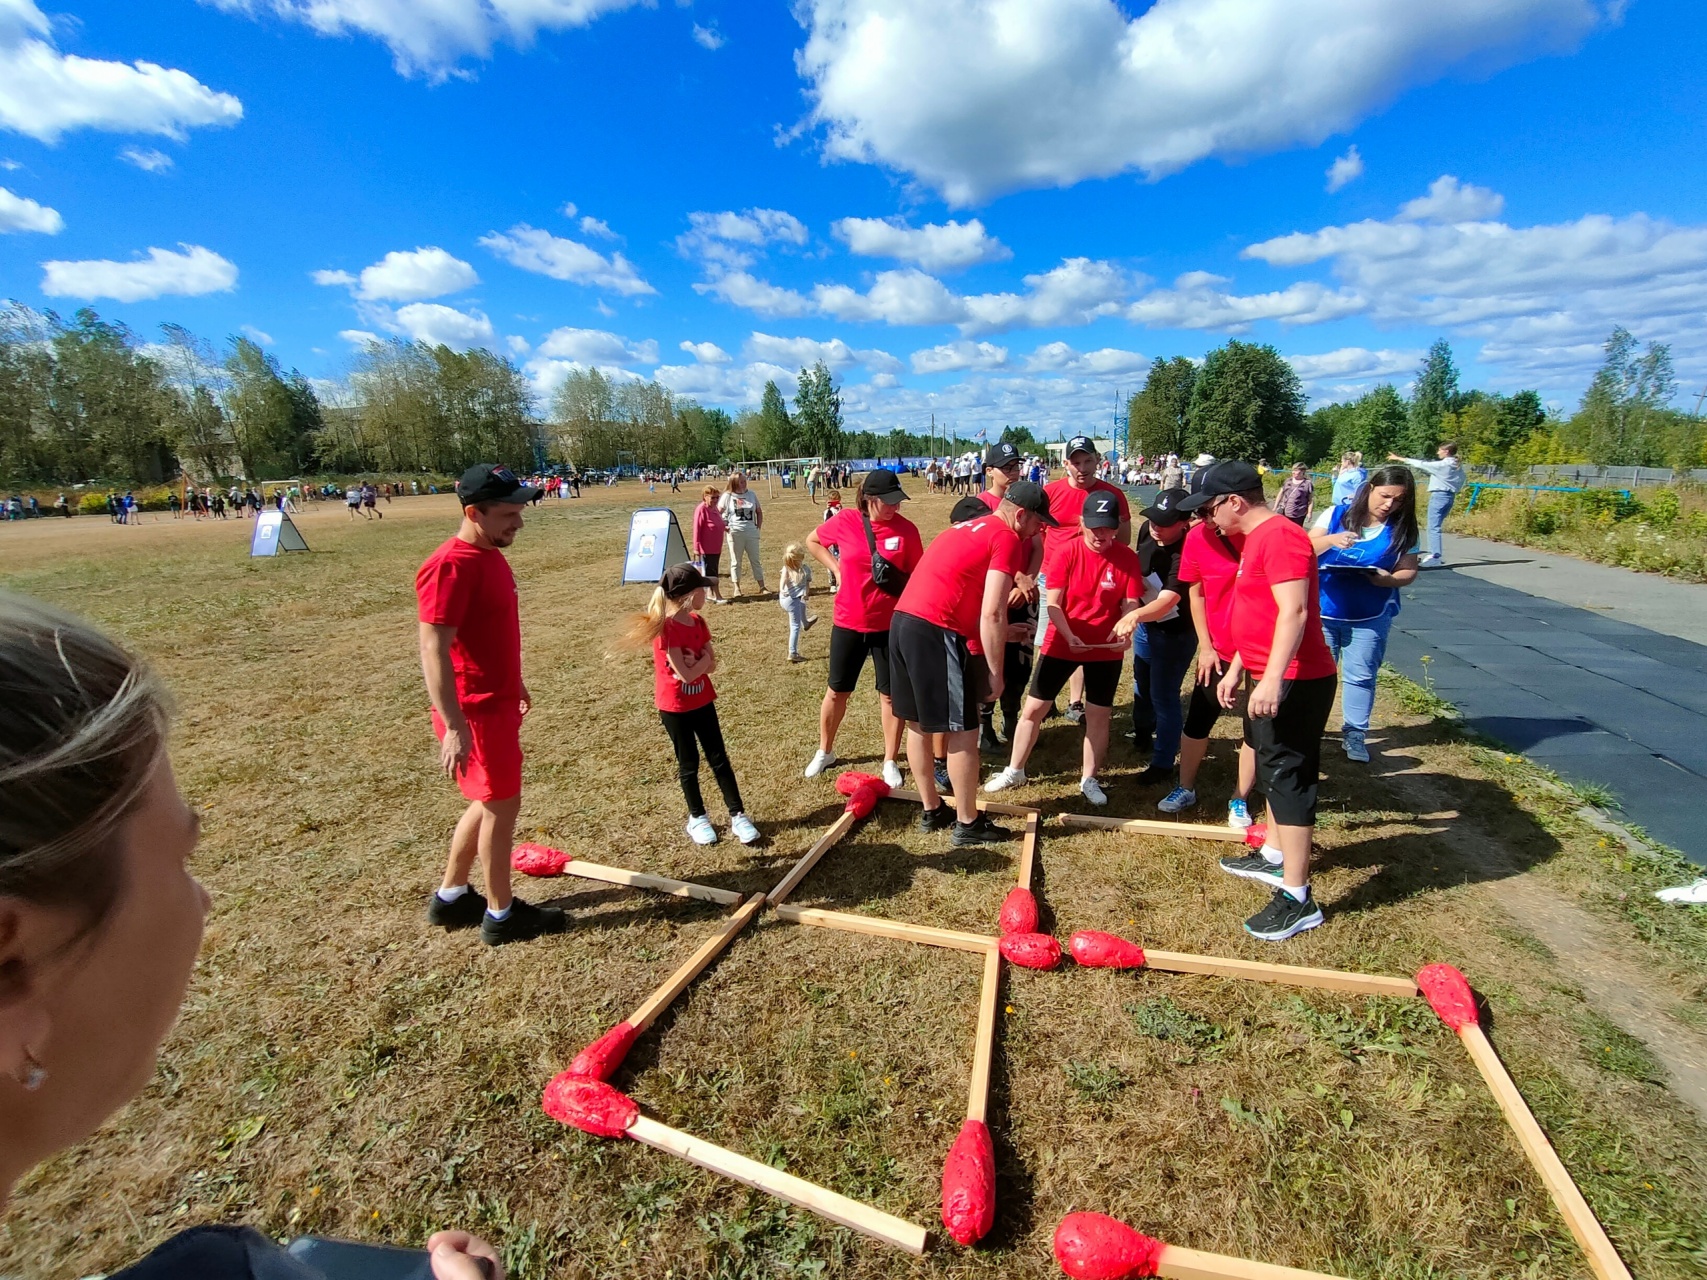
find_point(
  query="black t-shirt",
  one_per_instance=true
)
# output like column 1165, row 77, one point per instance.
column 1162, row 563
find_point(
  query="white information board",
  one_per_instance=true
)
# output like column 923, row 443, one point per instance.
column 655, row 543
column 274, row 533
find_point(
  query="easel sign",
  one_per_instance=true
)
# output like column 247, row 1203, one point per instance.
column 274, row 533
column 655, row 543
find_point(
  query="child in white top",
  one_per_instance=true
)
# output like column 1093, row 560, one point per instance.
column 792, row 589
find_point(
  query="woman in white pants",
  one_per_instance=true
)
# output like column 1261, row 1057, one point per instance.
column 744, row 517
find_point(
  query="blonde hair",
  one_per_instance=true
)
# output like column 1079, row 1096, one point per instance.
column 649, row 625
column 793, row 557
column 710, row 491
column 835, row 496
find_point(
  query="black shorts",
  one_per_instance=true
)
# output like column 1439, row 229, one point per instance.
column 1289, row 749
column 935, row 682
column 848, row 649
column 711, row 559
column 1203, row 709
column 1102, row 678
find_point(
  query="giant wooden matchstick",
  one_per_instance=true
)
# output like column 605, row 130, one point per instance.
column 1094, row 1246
column 1156, row 827
column 969, row 1172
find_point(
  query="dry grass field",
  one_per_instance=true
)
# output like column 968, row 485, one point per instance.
column 342, row 1069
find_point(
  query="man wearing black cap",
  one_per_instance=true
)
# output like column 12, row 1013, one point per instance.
column 471, row 654
column 1162, row 649
column 1067, row 496
column 1277, row 640
column 959, row 590
column 1002, row 466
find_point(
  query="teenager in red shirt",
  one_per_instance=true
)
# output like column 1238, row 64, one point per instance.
column 1277, row 640
column 471, row 655
column 1067, row 497
column 860, row 626
column 1002, row 466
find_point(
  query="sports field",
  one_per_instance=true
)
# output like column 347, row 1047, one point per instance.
column 342, row 1069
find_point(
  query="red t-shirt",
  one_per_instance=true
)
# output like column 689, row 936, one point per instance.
column 708, row 529
column 947, row 588
column 989, row 499
column 1065, row 504
column 860, row 605
column 1277, row 551
column 472, row 589
column 1094, row 586
column 667, row 689
column 1208, row 558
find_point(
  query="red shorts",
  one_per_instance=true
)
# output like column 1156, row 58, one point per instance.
column 493, row 770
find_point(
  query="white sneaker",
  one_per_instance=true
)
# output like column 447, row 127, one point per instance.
column 892, row 774
column 701, row 831
column 1009, row 777
column 1686, row 894
column 742, row 827
column 1092, row 790
column 821, row 760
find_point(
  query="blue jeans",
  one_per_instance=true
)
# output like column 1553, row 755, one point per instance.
column 796, row 611
column 1358, row 647
column 1439, row 503
column 1160, row 660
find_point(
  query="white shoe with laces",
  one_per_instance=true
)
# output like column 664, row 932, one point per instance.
column 1686, row 894
column 742, row 827
column 1008, row 777
column 892, row 774
column 1092, row 790
column 701, row 831
column 821, row 760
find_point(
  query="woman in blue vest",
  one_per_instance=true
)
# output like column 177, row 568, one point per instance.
column 1366, row 551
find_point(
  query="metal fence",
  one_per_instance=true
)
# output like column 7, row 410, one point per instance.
column 1590, row 477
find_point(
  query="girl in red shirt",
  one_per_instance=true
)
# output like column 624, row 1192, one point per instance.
column 683, row 660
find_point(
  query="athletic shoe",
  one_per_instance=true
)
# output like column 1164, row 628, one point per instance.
column 941, row 775
column 821, row 760
column 795, row 657
column 701, row 831
column 524, row 921
column 1177, row 801
column 1092, row 790
column 1355, row 747
column 741, row 826
column 1075, row 713
column 1284, row 916
column 1151, row 776
column 1430, row 562
column 463, row 913
column 1686, row 894
column 1253, row 866
column 892, row 774
column 809, row 623
column 979, row 831
column 987, row 739
column 1005, row 778
column 1142, row 742
column 1238, row 814
column 937, row 819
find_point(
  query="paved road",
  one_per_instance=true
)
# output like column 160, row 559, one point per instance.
column 1598, row 673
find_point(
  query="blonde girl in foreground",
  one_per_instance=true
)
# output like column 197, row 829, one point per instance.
column 683, row 659
column 793, row 586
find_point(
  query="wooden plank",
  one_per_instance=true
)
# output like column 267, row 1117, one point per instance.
column 697, row 963
column 1028, row 852
column 984, row 1040
column 988, row 806
column 641, row 880
column 1191, row 1264
column 826, row 842
column 1292, row 975
column 1155, row 827
column 1602, row 1258
column 878, row 927
column 852, row 1214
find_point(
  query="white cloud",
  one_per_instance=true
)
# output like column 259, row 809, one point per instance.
column 740, row 289
column 706, row 352
column 596, row 347
column 902, row 297
column 257, row 335
column 730, row 240
column 1348, row 168
column 1198, row 302
column 591, row 226
column 801, row 353
column 45, row 94
column 20, row 213
column 1076, row 292
column 163, row 272
column 741, row 386
column 10, row 166
column 977, row 97
column 934, row 246
column 1105, row 362
column 333, row 278
column 1449, row 200
column 406, row 276
column 953, row 356
column 438, row 325
column 1356, row 362
column 569, row 210
column 359, row 337
column 518, row 345
column 148, row 159
column 707, row 38
column 545, row 254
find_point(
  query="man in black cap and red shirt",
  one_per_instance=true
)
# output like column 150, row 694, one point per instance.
column 1278, row 642
column 1066, row 499
column 471, row 654
column 1002, row 466
column 959, row 590
column 1162, row 649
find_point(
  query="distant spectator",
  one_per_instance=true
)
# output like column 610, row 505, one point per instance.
column 1349, row 477
column 1445, row 479
column 1297, row 495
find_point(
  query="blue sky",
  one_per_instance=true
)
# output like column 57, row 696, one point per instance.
column 994, row 210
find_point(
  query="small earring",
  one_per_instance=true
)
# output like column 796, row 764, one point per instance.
column 35, row 1075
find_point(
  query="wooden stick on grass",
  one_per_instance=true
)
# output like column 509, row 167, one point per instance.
column 1155, row 827
column 984, row 1040
column 1289, row 974
column 826, row 842
column 1193, row 1264
column 877, row 926
column 1028, row 852
column 697, row 963
column 641, row 880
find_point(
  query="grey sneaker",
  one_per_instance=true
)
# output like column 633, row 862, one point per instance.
column 1253, row 866
column 1284, row 916
column 1355, row 747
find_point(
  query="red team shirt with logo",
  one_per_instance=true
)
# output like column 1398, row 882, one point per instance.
column 1065, row 504
column 1277, row 551
column 860, row 605
column 947, row 588
column 1094, row 586
column 667, row 688
column 472, row 589
column 1211, row 558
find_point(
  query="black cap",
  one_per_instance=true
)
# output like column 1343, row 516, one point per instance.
column 970, row 507
column 1082, row 444
column 493, row 482
column 1166, row 509
column 1220, row 480
column 681, row 580
column 1101, row 511
column 883, row 484
column 1030, row 497
column 999, row 455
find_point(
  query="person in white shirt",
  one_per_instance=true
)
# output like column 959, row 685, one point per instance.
column 744, row 517
column 1445, row 479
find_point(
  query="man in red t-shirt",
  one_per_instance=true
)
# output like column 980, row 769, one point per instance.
column 471, row 654
column 1277, row 639
column 959, row 590
column 1067, row 498
column 1002, row 466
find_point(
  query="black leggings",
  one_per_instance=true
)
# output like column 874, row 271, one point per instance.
column 683, row 727
column 1016, row 675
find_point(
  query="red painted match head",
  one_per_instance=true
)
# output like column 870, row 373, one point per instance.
column 1019, row 912
column 1256, row 835
column 538, row 860
column 1449, row 992
column 1098, row 950
column 969, row 1184
column 1094, row 1246
column 1031, row 950
column 605, row 1055
column 863, row 800
column 851, row 781
column 591, row 1105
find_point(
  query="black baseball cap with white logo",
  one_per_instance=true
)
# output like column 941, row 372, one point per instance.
column 1165, row 510
column 493, row 482
column 1030, row 497
column 999, row 455
column 1101, row 511
column 1082, row 444
column 1221, row 480
column 884, row 484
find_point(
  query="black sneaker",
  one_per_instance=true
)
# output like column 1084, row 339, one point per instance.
column 1141, row 742
column 1253, row 866
column 463, row 913
column 524, row 921
column 1075, row 713
column 937, row 819
column 1152, row 776
column 1284, row 916
column 987, row 739
column 979, row 831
